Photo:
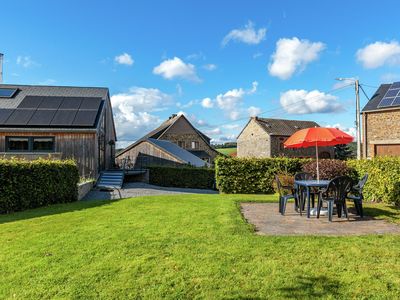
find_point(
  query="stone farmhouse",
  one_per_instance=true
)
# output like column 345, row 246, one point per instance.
column 154, row 149
column 58, row 122
column 263, row 137
column 381, row 122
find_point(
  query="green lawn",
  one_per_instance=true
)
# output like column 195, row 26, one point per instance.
column 184, row 247
column 227, row 151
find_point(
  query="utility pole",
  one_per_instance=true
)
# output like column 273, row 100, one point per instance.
column 358, row 115
column 358, row 118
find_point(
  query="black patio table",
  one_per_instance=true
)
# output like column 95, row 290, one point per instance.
column 308, row 184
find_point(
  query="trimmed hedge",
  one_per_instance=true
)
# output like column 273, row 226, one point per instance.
column 253, row 175
column 29, row 184
column 183, row 177
column 383, row 182
column 328, row 168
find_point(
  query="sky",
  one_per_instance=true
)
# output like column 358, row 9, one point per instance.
column 217, row 62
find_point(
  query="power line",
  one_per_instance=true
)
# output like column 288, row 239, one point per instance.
column 365, row 94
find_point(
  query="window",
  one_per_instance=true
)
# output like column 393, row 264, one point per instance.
column 7, row 93
column 30, row 144
column 195, row 145
column 43, row 144
column 181, row 144
column 18, row 144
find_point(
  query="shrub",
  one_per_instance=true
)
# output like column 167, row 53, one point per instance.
column 328, row 168
column 184, row 177
column 29, row 184
column 252, row 175
column 383, row 182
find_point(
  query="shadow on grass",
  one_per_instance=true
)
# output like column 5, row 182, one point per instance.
column 391, row 213
column 311, row 287
column 54, row 209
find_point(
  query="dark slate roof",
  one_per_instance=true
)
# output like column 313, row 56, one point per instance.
column 52, row 106
column 200, row 153
column 373, row 103
column 178, row 152
column 283, row 127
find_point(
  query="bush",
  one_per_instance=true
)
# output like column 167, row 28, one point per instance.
column 184, row 177
column 328, row 168
column 383, row 182
column 252, row 175
column 29, row 184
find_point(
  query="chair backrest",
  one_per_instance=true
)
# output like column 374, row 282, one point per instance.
column 278, row 185
column 361, row 183
column 303, row 176
column 339, row 187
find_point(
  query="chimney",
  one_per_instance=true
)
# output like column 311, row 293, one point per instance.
column 1, row 67
column 172, row 116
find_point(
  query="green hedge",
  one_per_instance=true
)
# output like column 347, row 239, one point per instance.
column 383, row 178
column 252, row 175
column 29, row 184
column 184, row 177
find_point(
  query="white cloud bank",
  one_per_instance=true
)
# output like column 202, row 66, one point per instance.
column 304, row 102
column 26, row 62
column 293, row 55
column 248, row 35
column 124, row 59
column 176, row 68
column 132, row 111
column 379, row 54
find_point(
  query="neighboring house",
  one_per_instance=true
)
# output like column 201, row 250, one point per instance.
column 263, row 137
column 381, row 122
column 58, row 122
column 178, row 130
column 148, row 152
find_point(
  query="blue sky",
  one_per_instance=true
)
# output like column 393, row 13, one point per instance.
column 216, row 61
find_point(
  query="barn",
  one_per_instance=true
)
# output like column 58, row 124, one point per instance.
column 58, row 122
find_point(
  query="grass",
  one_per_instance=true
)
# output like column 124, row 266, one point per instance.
column 227, row 151
column 184, row 247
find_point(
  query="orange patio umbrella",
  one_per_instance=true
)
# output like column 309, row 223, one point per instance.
column 317, row 137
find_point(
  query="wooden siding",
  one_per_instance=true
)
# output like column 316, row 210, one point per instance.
column 145, row 154
column 77, row 146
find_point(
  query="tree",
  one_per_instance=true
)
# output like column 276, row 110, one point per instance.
column 344, row 152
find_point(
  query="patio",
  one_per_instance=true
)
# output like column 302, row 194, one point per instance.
column 268, row 221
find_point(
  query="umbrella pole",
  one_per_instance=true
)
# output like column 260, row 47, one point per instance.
column 316, row 151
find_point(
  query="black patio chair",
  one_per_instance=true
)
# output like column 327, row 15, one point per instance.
column 356, row 194
column 335, row 193
column 301, row 191
column 283, row 199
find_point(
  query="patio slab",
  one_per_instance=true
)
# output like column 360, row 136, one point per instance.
column 267, row 221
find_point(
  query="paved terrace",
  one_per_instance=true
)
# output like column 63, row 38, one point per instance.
column 267, row 221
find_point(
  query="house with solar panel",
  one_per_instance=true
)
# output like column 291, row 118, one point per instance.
column 381, row 122
column 175, row 142
column 58, row 122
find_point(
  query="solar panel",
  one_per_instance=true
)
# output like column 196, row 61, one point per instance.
column 70, row 103
column 85, row 118
column 30, row 102
column 386, row 102
column 396, row 101
column 90, row 103
column 64, row 117
column 42, row 117
column 20, row 117
column 4, row 114
column 7, row 93
column 395, row 85
column 392, row 93
column 51, row 102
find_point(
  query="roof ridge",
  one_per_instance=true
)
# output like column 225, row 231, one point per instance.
column 56, row 86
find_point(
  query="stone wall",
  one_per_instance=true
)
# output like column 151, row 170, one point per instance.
column 381, row 127
column 277, row 149
column 253, row 141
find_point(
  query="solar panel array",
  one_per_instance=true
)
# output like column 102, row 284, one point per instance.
column 45, row 111
column 392, row 96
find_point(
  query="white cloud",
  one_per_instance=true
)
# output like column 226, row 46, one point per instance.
column 213, row 132
column 26, row 62
column 207, row 103
column 257, row 55
column 254, row 86
column 210, row 67
column 390, row 77
column 176, row 68
column 304, row 102
column 247, row 35
column 187, row 105
column 254, row 111
column 293, row 55
column 132, row 111
column 231, row 126
column 124, row 59
column 223, row 139
column 378, row 54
